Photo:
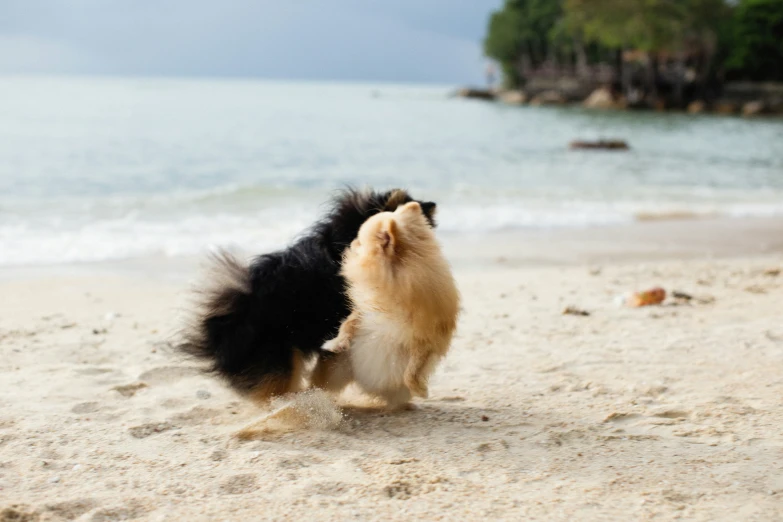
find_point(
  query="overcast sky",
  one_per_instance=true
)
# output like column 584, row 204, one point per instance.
column 372, row 40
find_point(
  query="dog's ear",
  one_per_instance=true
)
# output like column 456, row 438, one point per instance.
column 396, row 198
column 387, row 237
column 429, row 208
column 412, row 206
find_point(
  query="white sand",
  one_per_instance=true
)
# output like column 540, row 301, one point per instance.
column 628, row 414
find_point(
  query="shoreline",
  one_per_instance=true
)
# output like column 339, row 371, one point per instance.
column 746, row 99
column 643, row 241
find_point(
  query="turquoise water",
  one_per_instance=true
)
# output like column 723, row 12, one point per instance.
column 94, row 168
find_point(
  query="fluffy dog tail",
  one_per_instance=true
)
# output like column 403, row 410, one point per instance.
column 226, row 331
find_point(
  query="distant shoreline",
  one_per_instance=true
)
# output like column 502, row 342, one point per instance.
column 741, row 98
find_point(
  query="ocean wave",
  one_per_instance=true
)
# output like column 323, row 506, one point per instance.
column 184, row 232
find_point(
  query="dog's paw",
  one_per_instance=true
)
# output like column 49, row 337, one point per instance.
column 418, row 389
column 336, row 345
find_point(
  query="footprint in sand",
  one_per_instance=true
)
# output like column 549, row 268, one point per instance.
column 129, row 512
column 168, row 374
column 96, row 410
column 71, row 509
column 196, row 415
column 129, row 390
column 145, row 430
column 173, row 403
column 450, row 398
column 620, row 418
column 400, row 490
column 239, row 484
column 19, row 513
column 671, row 414
column 328, row 489
column 94, row 371
column 86, row 407
column 295, row 463
column 218, row 455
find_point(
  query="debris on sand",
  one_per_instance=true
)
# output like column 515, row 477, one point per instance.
column 686, row 298
column 572, row 310
column 676, row 294
column 653, row 296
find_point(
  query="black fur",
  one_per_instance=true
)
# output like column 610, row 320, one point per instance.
column 254, row 318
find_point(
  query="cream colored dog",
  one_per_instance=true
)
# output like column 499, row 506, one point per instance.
column 405, row 305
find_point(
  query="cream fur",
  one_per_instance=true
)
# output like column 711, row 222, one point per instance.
column 405, row 307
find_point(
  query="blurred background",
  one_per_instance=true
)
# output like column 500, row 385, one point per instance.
column 137, row 129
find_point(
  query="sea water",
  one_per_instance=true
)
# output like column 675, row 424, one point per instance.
column 114, row 168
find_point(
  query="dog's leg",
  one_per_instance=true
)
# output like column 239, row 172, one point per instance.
column 332, row 372
column 286, row 417
column 297, row 382
column 417, row 373
column 398, row 400
column 344, row 337
column 275, row 385
column 270, row 387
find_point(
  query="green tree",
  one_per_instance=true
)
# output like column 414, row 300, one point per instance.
column 504, row 41
column 757, row 41
column 674, row 27
column 706, row 24
column 519, row 36
column 707, row 37
column 646, row 25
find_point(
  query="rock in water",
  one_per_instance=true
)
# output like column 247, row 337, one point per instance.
column 478, row 94
column 600, row 99
column 600, row 144
column 513, row 97
column 548, row 98
column 725, row 107
column 696, row 107
column 754, row 108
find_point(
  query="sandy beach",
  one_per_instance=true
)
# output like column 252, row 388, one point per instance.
column 660, row 413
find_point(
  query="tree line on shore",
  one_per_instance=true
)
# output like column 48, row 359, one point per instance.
column 651, row 53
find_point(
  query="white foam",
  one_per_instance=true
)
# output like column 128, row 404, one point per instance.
column 129, row 237
column 92, row 233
